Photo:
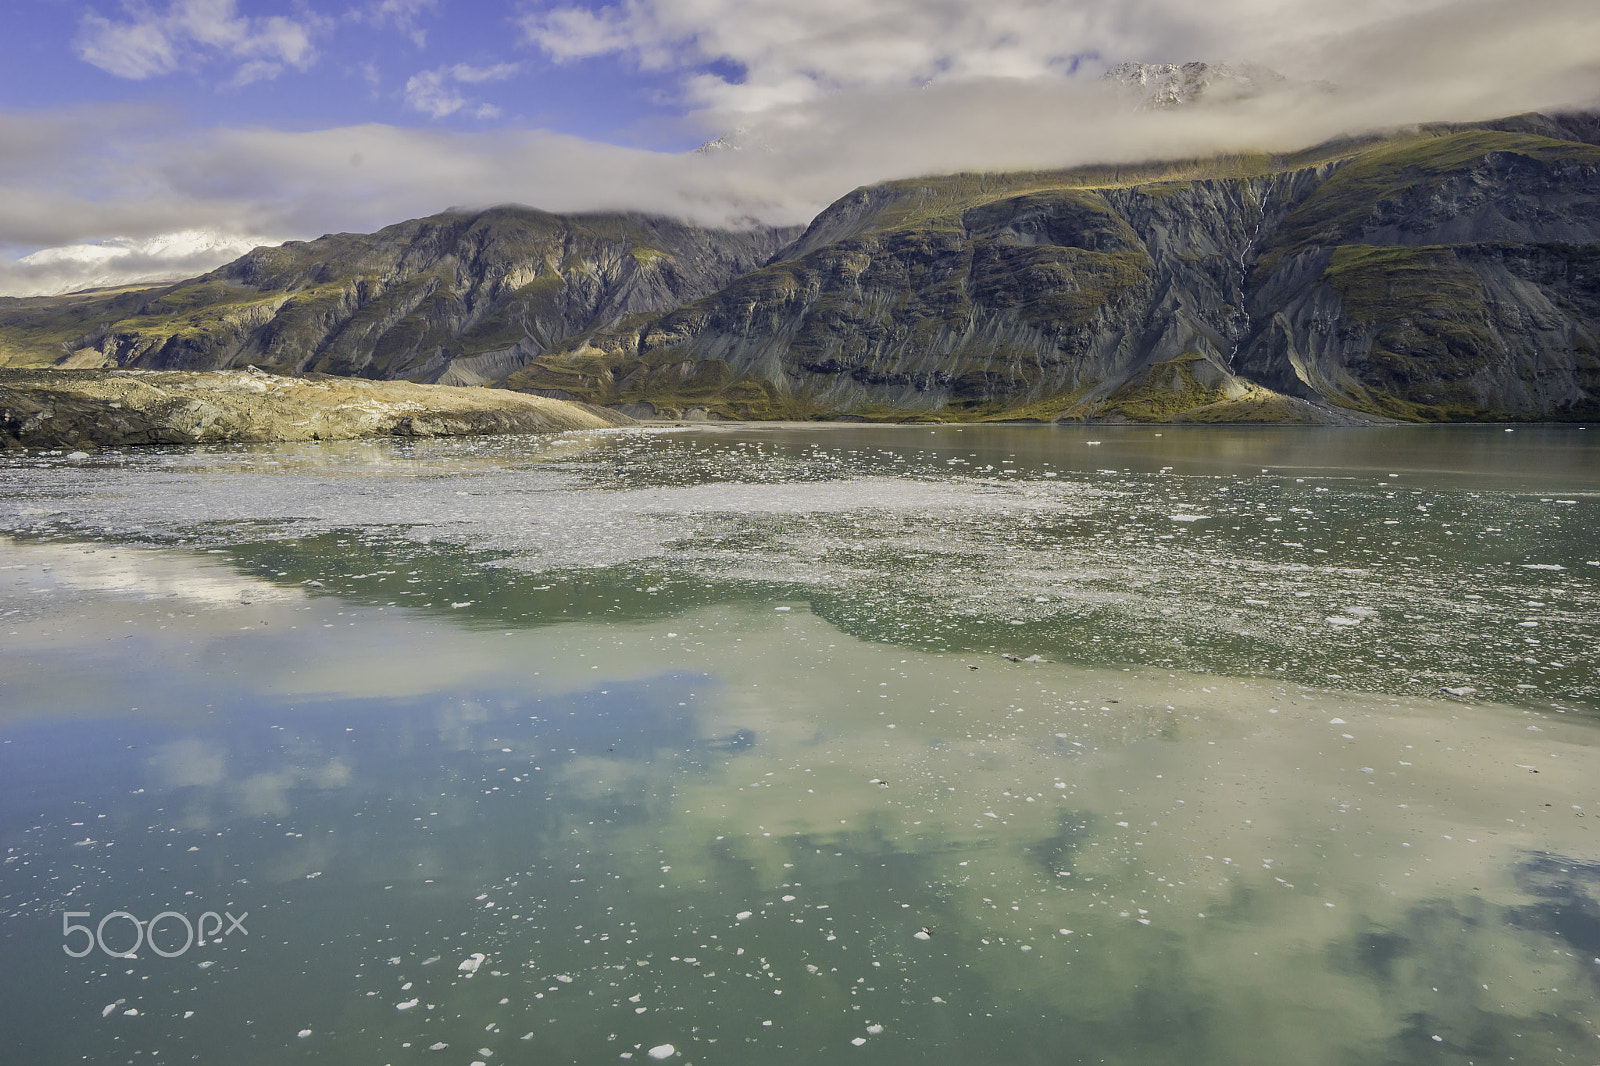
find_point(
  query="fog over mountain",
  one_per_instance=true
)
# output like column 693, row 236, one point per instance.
column 881, row 90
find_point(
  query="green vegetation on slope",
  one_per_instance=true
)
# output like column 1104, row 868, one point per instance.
column 1353, row 198
column 39, row 331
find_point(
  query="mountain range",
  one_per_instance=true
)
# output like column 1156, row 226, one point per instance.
column 1436, row 273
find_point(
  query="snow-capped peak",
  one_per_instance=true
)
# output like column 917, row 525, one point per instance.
column 1162, row 85
column 128, row 261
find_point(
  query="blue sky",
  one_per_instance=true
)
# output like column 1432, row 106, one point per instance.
column 360, row 60
column 143, row 137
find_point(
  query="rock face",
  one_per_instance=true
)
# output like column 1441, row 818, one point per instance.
column 81, row 408
column 458, row 299
column 1436, row 274
column 1445, row 274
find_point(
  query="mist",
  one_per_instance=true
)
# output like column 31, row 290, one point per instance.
column 85, row 176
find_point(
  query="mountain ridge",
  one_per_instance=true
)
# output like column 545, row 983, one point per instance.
column 1438, row 273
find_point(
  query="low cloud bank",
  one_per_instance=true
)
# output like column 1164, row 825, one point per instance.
column 828, row 117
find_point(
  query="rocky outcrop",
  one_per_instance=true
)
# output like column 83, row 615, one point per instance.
column 85, row 408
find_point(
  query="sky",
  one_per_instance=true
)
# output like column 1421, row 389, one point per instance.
column 144, row 138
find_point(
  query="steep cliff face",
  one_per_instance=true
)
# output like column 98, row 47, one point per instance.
column 1456, row 278
column 455, row 298
column 1444, row 274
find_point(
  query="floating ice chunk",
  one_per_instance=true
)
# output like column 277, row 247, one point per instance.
column 663, row 1051
column 440, row 1046
column 742, row 915
column 1188, row 517
column 923, row 934
column 874, row 1029
column 858, row 1041
column 471, row 963
column 1337, row 721
column 407, row 1005
column 1341, row 620
column 781, row 608
column 304, row 1033
column 1459, row 690
column 1542, row 566
column 111, row 1007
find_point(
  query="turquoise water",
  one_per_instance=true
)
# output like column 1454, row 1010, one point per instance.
column 769, row 743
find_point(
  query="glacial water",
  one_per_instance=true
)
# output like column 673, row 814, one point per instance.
column 1126, row 745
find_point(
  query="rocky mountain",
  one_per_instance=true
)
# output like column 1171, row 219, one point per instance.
column 457, row 298
column 1448, row 273
column 1431, row 274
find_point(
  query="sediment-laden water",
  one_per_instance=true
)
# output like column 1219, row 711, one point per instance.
column 1126, row 745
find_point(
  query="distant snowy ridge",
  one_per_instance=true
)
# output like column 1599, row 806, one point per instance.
column 130, row 260
column 738, row 139
column 1156, row 86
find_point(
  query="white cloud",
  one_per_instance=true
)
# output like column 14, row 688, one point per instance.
column 436, row 92
column 124, row 261
column 843, row 103
column 789, row 54
column 787, row 50
column 149, row 42
column 403, row 15
column 128, row 50
column 478, row 75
